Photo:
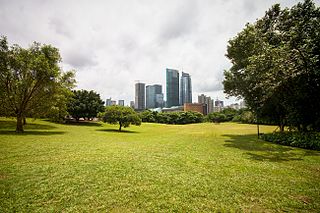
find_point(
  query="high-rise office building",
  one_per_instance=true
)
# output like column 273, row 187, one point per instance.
column 132, row 104
column 121, row 102
column 185, row 89
column 152, row 92
column 206, row 100
column 108, row 102
column 172, row 87
column 140, row 94
column 160, row 100
column 218, row 103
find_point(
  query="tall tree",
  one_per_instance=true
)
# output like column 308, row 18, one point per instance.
column 276, row 63
column 31, row 81
column 85, row 104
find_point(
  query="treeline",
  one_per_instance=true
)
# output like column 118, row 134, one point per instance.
column 226, row 115
column 171, row 117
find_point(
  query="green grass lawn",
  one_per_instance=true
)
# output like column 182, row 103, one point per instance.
column 154, row 167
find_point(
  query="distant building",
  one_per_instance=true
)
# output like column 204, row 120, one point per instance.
column 218, row 105
column 242, row 104
column 113, row 103
column 160, row 100
column 202, row 99
column 173, row 109
column 140, row 96
column 234, row 106
column 154, row 96
column 172, row 87
column 185, row 89
column 196, row 107
column 121, row 102
column 132, row 104
column 108, row 102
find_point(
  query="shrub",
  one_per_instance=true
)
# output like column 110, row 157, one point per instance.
column 307, row 140
column 171, row 117
column 216, row 117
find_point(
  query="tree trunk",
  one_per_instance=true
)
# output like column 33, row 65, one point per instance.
column 258, row 128
column 282, row 128
column 24, row 120
column 19, row 128
column 120, row 127
column 281, row 125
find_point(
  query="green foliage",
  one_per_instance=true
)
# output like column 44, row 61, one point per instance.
column 124, row 116
column 85, row 104
column 229, row 113
column 307, row 140
column 245, row 116
column 31, row 82
column 216, row 117
column 275, row 66
column 148, row 116
column 171, row 117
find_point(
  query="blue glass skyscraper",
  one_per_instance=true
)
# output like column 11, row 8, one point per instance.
column 172, row 87
column 153, row 96
column 185, row 89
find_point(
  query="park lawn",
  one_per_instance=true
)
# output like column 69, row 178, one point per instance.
column 154, row 167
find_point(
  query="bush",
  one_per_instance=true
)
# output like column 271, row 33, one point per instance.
column 245, row 116
column 171, row 117
column 148, row 116
column 216, row 117
column 307, row 140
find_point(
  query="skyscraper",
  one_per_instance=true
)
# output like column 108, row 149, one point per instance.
column 153, row 96
column 108, row 102
column 185, row 89
column 140, row 96
column 121, row 102
column 132, row 104
column 206, row 100
column 172, row 86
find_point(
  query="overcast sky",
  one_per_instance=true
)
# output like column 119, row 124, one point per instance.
column 113, row 43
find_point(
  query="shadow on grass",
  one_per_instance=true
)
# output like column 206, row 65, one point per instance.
column 26, row 132
column 260, row 150
column 116, row 130
column 12, row 125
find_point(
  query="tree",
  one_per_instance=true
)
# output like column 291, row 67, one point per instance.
column 85, row 104
column 275, row 66
column 148, row 116
column 124, row 116
column 217, row 117
column 31, row 81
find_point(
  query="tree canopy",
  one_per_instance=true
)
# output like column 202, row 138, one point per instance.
column 276, row 66
column 124, row 116
column 85, row 104
column 31, row 81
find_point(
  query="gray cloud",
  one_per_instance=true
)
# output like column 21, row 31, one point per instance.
column 60, row 27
